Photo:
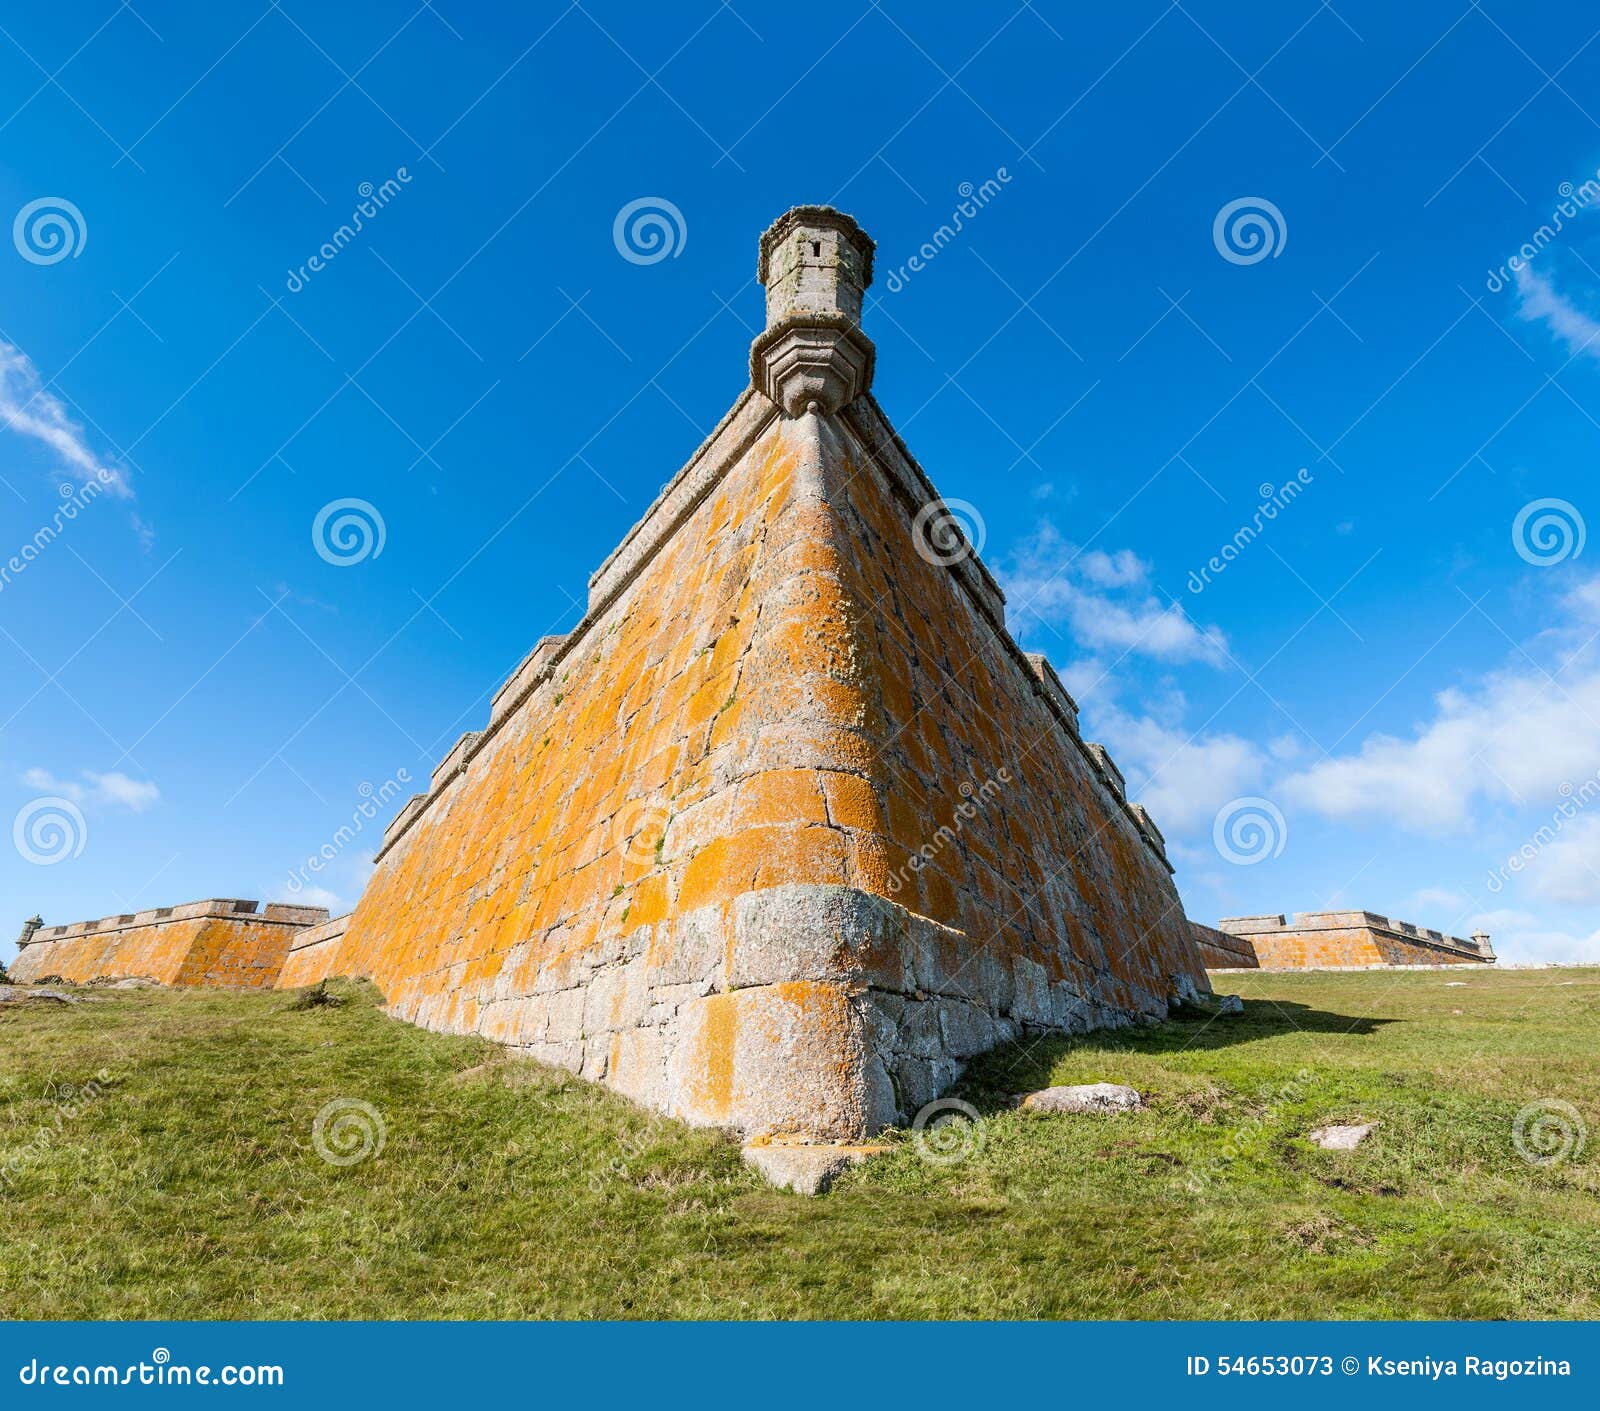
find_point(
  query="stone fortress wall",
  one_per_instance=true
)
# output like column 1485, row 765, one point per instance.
column 214, row 942
column 1346, row 940
column 788, row 828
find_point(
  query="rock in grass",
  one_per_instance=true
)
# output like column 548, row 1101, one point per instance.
column 1341, row 1136
column 1086, row 1097
column 1214, row 1005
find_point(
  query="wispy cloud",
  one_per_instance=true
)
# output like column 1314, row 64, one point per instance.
column 1515, row 741
column 1541, row 302
column 113, row 789
column 1103, row 600
column 1182, row 778
column 1507, row 769
column 28, row 409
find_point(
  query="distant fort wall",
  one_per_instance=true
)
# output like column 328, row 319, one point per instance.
column 1344, row 940
column 234, row 944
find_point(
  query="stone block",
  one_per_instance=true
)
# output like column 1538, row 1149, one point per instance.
column 800, row 932
column 783, row 1061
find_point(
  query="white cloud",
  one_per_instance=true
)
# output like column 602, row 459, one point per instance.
column 1430, row 899
column 1086, row 679
column 113, row 789
column 129, row 793
column 311, row 896
column 1541, row 302
column 1112, row 570
column 1183, row 781
column 1053, row 580
column 1513, row 741
column 1568, row 868
column 29, row 410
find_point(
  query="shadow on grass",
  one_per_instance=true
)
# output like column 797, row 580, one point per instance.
column 1027, row 1063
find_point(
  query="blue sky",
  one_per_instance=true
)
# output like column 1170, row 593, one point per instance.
column 1398, row 673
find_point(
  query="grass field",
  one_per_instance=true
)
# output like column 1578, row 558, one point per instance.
column 157, row 1159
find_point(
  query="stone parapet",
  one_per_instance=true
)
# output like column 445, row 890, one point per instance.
column 1349, row 939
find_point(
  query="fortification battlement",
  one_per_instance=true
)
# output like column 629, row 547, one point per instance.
column 815, row 262
column 1312, row 921
column 280, row 913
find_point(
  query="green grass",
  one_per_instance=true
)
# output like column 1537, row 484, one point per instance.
column 190, row 1187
